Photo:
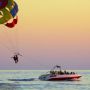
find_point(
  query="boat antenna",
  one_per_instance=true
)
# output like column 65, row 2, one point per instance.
column 57, row 66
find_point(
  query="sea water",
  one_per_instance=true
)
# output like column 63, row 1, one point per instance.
column 28, row 80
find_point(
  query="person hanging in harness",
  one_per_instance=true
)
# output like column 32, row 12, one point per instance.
column 15, row 57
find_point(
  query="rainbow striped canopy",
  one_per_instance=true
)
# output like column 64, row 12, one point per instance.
column 8, row 11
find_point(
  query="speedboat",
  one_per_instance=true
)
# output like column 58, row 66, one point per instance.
column 59, row 75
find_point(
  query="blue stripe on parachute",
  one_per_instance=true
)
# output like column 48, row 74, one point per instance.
column 14, row 10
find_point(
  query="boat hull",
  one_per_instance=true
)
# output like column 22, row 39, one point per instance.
column 60, row 77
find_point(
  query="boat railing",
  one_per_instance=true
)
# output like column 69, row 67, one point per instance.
column 62, row 72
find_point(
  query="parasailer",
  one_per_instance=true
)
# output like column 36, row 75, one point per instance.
column 9, row 18
column 16, row 57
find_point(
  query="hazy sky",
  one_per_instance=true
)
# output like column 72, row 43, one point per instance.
column 49, row 32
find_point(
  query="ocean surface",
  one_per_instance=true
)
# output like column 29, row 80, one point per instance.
column 28, row 80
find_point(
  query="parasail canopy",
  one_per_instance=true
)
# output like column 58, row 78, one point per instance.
column 8, row 11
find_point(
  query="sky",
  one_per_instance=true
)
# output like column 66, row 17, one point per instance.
column 48, row 33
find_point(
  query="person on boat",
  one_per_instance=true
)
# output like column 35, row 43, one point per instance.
column 15, row 57
column 65, row 72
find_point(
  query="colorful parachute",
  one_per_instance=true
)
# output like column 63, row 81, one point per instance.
column 8, row 13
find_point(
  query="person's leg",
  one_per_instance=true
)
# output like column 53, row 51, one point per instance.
column 15, row 60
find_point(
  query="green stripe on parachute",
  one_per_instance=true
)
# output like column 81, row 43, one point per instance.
column 6, row 12
column 5, row 17
column 10, row 4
